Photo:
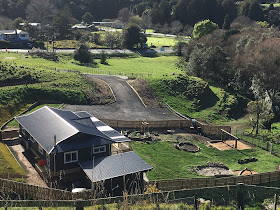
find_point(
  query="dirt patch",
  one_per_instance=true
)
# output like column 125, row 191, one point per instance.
column 188, row 147
column 214, row 171
column 102, row 93
column 32, row 177
column 246, row 173
column 145, row 92
column 230, row 144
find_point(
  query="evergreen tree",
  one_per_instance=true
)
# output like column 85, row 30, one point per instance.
column 62, row 23
column 83, row 54
column 226, row 25
column 87, row 17
column 132, row 36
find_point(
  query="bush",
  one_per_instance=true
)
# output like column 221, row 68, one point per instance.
column 82, row 54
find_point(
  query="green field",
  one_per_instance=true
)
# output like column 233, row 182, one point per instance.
column 156, row 67
column 170, row 163
column 160, row 41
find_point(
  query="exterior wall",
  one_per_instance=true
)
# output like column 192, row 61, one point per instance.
column 132, row 183
column 83, row 154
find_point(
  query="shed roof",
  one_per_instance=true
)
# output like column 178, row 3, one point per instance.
column 46, row 122
column 114, row 166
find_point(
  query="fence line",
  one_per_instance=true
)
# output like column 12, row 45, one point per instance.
column 192, row 183
column 223, row 195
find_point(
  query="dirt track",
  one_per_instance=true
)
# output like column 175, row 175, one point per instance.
column 127, row 107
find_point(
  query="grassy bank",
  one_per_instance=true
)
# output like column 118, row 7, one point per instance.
column 8, row 165
column 195, row 98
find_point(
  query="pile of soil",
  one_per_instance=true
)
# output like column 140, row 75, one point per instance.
column 187, row 147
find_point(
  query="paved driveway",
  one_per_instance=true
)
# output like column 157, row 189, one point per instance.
column 127, row 107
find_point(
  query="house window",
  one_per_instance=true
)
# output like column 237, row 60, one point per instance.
column 40, row 149
column 99, row 149
column 31, row 139
column 23, row 131
column 70, row 157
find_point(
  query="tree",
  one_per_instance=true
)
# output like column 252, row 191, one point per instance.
column 40, row 11
column 251, row 9
column 82, row 54
column 132, row 36
column 62, row 23
column 209, row 63
column 204, row 27
column 264, row 63
column 226, row 25
column 87, row 18
column 124, row 15
column 17, row 22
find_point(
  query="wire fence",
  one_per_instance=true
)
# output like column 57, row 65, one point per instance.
column 237, row 197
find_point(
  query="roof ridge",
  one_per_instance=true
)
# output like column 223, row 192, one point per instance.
column 49, row 108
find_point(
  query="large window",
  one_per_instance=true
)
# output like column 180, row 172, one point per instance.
column 99, row 149
column 71, row 157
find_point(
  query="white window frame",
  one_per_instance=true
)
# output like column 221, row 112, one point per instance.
column 40, row 149
column 71, row 152
column 99, row 147
column 31, row 139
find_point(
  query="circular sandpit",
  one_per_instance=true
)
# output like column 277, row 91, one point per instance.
column 187, row 147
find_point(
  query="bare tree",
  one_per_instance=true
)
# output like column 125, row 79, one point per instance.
column 40, row 11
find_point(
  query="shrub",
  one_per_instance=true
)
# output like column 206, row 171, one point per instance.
column 82, row 54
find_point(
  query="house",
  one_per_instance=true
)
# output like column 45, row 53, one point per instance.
column 37, row 25
column 84, row 27
column 81, row 148
column 15, row 36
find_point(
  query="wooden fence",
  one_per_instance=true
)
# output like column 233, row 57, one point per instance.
column 192, row 183
column 241, row 194
column 26, row 191
column 185, row 124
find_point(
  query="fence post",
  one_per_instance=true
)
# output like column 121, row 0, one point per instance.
column 195, row 203
column 240, row 196
column 275, row 202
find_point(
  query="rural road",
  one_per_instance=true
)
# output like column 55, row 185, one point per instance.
column 127, row 107
column 92, row 50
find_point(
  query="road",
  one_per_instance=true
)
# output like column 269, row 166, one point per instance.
column 92, row 50
column 127, row 107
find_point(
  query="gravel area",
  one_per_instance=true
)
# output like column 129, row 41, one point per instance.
column 212, row 171
column 32, row 175
column 128, row 105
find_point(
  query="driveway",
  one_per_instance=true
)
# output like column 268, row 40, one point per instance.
column 127, row 107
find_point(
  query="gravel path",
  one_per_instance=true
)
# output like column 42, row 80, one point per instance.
column 127, row 107
column 32, row 175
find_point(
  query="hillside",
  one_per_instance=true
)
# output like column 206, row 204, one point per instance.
column 194, row 97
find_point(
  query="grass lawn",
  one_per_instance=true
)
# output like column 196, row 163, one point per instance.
column 156, row 66
column 170, row 163
column 8, row 165
column 15, row 123
column 160, row 41
column 275, row 5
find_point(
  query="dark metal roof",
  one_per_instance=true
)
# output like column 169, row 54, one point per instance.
column 114, row 166
column 46, row 122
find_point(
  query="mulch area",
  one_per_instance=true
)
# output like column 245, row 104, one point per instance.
column 145, row 92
